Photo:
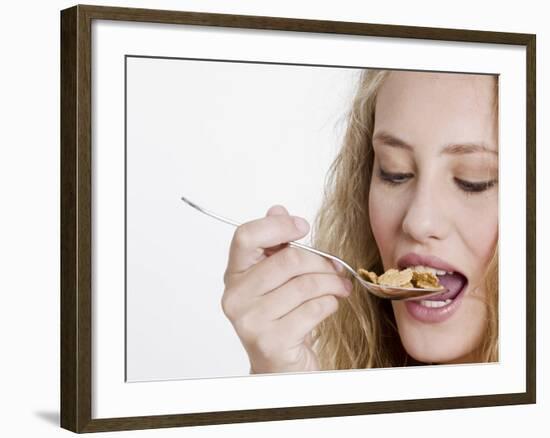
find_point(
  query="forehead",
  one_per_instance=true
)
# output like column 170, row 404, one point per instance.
column 438, row 107
column 471, row 89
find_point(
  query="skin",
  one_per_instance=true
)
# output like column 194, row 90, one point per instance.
column 428, row 212
column 275, row 295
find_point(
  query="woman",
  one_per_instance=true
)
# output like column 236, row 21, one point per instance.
column 415, row 184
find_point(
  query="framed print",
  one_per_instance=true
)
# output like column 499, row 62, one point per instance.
column 270, row 218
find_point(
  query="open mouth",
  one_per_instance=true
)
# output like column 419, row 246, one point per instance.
column 440, row 307
column 454, row 283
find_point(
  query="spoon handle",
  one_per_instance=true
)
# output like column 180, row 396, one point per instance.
column 392, row 293
column 294, row 244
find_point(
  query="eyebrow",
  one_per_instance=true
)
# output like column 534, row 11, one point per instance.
column 451, row 149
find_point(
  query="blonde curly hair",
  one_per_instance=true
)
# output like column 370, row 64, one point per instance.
column 363, row 332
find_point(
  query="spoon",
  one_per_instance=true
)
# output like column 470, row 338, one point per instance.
column 381, row 291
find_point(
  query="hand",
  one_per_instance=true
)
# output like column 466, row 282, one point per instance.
column 275, row 295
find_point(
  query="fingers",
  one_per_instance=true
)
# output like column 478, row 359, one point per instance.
column 251, row 294
column 287, row 263
column 251, row 238
column 276, row 294
column 298, row 290
column 276, row 210
column 302, row 320
column 282, row 343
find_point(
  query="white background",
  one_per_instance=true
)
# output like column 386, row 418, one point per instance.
column 29, row 178
column 235, row 138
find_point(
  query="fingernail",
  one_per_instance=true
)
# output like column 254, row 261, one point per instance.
column 337, row 265
column 301, row 224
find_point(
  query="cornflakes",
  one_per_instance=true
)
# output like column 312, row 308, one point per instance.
column 396, row 278
column 425, row 280
column 408, row 278
column 368, row 275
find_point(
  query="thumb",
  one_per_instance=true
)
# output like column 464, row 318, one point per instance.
column 277, row 210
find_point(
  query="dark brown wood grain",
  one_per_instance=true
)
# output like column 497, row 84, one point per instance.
column 76, row 186
column 531, row 218
column 76, row 217
column 68, row 232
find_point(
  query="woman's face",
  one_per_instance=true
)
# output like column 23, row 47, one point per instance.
column 433, row 202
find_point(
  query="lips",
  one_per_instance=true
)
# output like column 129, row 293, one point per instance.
column 413, row 259
column 437, row 308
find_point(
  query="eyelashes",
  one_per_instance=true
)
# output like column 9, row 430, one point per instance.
column 394, row 179
column 475, row 187
column 468, row 187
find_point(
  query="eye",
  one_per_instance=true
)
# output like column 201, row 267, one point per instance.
column 475, row 187
column 394, row 178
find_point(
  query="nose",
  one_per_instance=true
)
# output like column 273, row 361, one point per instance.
column 427, row 216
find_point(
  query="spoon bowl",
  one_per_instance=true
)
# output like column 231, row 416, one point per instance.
column 381, row 291
column 399, row 293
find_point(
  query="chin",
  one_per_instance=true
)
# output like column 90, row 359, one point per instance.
column 439, row 344
column 440, row 356
column 455, row 339
column 440, row 348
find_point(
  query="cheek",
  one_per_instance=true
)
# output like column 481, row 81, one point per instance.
column 385, row 220
column 479, row 229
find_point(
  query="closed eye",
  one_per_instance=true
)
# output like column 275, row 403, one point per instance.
column 469, row 187
column 475, row 187
column 394, row 178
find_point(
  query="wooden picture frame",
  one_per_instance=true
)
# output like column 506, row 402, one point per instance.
column 76, row 217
